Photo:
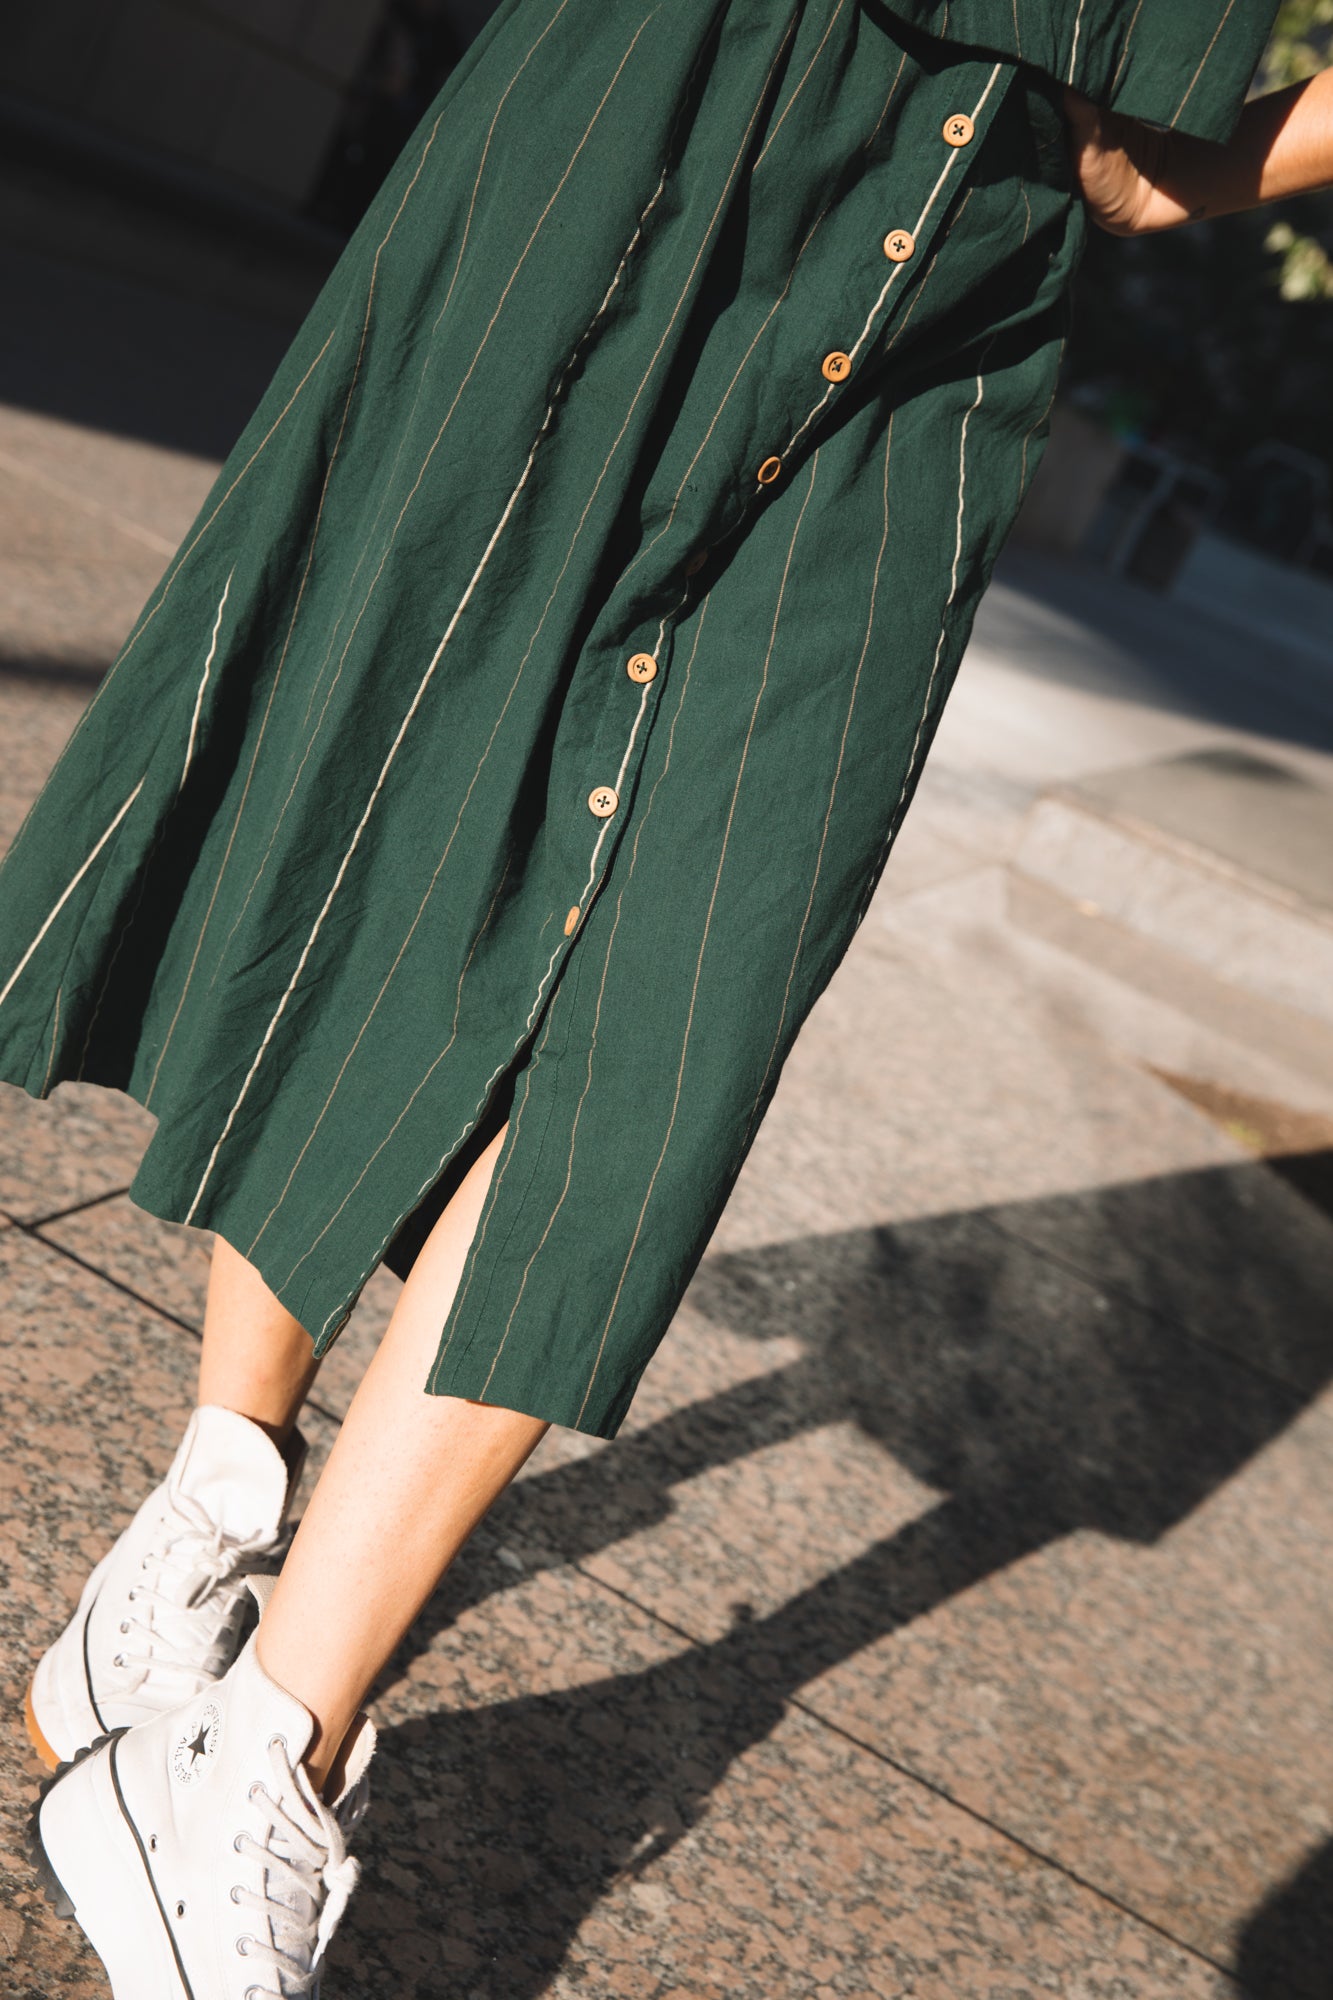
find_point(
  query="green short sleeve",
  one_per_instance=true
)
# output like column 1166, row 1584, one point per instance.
column 1185, row 64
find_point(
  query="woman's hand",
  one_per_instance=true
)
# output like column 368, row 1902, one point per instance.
column 1119, row 164
column 1136, row 178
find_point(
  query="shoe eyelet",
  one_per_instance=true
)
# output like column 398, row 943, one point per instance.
column 119, row 1660
column 254, row 1789
column 243, row 1943
column 124, row 1624
column 152, row 1843
column 235, row 1892
column 180, row 1909
column 278, row 1742
column 236, row 1843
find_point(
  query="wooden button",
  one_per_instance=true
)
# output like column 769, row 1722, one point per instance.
column 769, row 470
column 899, row 244
column 835, row 365
column 959, row 129
column 696, row 562
column 572, row 921
column 602, row 801
column 641, row 667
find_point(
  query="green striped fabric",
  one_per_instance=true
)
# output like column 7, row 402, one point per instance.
column 499, row 736
column 1184, row 64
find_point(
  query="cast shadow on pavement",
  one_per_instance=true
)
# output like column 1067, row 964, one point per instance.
column 1286, row 1948
column 973, row 1349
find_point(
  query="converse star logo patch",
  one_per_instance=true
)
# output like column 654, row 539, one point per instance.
column 196, row 1746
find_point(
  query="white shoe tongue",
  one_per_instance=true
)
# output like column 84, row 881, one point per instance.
column 233, row 1470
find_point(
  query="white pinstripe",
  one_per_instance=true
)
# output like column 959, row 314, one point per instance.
column 291, row 624
column 571, row 362
column 897, row 270
column 203, row 683
column 833, row 789
column 1124, row 47
column 762, row 329
column 55, row 1031
column 1073, row 46
column 944, row 630
column 67, row 892
column 800, row 86
column 494, row 1190
column 414, row 705
column 425, row 369
column 1204, row 60
column 407, row 1106
column 605, row 827
column 703, row 941
column 953, row 581
column 180, row 787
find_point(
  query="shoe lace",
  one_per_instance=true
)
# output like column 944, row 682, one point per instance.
column 307, row 1878
column 194, row 1562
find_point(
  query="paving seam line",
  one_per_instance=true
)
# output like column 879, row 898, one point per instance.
column 937, row 1790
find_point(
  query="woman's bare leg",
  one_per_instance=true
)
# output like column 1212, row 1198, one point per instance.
column 256, row 1358
column 410, row 1476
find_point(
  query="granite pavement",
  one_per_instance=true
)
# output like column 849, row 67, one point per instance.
column 953, row 1616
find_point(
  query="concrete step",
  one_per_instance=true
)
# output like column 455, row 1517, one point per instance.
column 1224, row 858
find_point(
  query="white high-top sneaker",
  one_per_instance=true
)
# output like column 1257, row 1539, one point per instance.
column 195, row 1852
column 166, row 1610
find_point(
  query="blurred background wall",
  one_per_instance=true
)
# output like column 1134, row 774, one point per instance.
column 252, row 95
column 248, row 91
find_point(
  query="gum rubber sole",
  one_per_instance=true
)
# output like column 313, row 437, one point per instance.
column 35, row 1736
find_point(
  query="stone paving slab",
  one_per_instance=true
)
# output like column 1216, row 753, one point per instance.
column 1238, row 928
column 77, row 1145
column 65, row 597
column 933, row 1075
column 1039, row 1547
column 592, row 1806
column 649, row 1802
column 950, row 1619
column 1070, row 1651
column 167, row 1264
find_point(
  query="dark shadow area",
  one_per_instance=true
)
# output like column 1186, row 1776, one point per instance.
column 1311, row 1174
column 116, row 355
column 82, row 675
column 1037, row 1395
column 1286, row 1949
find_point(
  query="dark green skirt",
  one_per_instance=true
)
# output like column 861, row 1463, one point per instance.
column 524, row 722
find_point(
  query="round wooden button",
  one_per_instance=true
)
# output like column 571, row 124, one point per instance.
column 572, row 921
column 899, row 244
column 602, row 801
column 959, row 129
column 769, row 470
column 641, row 667
column 834, row 366
column 696, row 562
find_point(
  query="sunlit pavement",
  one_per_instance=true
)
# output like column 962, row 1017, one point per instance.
column 952, row 1617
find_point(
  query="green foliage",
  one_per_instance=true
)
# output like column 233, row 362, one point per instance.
column 1300, row 42
column 1307, row 268
column 1216, row 336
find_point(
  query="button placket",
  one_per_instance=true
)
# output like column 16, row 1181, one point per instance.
column 900, row 245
